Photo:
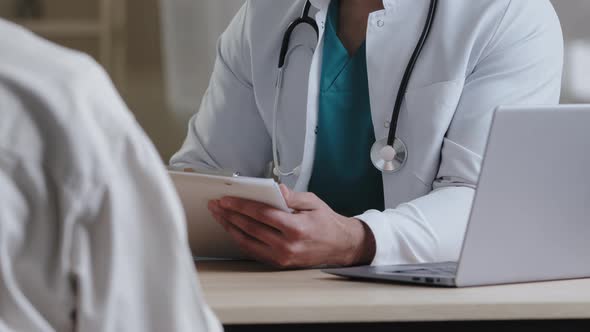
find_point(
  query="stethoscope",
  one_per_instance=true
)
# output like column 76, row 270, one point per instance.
column 388, row 155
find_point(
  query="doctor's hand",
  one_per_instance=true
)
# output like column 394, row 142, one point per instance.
column 312, row 235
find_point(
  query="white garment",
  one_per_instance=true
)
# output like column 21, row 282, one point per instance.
column 480, row 54
column 92, row 234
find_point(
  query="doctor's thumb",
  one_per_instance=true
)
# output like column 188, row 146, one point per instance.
column 286, row 192
column 300, row 201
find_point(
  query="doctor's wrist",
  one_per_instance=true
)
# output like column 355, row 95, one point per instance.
column 363, row 247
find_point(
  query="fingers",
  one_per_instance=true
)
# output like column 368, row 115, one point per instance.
column 262, row 213
column 259, row 251
column 301, row 201
column 274, row 254
column 249, row 226
column 250, row 246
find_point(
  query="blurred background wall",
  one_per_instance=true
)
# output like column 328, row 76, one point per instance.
column 191, row 28
column 575, row 20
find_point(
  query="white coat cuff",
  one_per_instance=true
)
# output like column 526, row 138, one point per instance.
column 385, row 245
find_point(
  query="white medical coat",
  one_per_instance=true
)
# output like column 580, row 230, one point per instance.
column 92, row 234
column 480, row 54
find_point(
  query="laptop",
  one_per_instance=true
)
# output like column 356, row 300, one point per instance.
column 530, row 219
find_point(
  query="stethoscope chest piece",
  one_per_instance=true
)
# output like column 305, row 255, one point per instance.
column 388, row 155
column 389, row 159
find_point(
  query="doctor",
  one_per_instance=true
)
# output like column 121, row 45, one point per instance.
column 420, row 78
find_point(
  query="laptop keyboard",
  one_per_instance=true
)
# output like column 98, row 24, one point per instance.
column 434, row 269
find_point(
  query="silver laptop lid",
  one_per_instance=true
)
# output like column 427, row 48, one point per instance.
column 531, row 215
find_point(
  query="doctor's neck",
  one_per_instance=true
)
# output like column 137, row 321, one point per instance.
column 352, row 25
column 353, row 11
column 372, row 5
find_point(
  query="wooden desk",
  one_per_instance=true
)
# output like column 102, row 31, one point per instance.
column 244, row 293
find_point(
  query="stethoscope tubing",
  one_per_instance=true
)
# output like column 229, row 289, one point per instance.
column 304, row 19
column 410, row 70
column 284, row 52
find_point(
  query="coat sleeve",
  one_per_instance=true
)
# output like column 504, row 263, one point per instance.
column 521, row 65
column 228, row 132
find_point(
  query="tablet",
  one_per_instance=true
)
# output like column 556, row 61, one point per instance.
column 207, row 237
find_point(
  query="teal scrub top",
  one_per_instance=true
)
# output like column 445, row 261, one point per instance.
column 343, row 175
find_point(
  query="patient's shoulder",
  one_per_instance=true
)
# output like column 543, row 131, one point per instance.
column 58, row 106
